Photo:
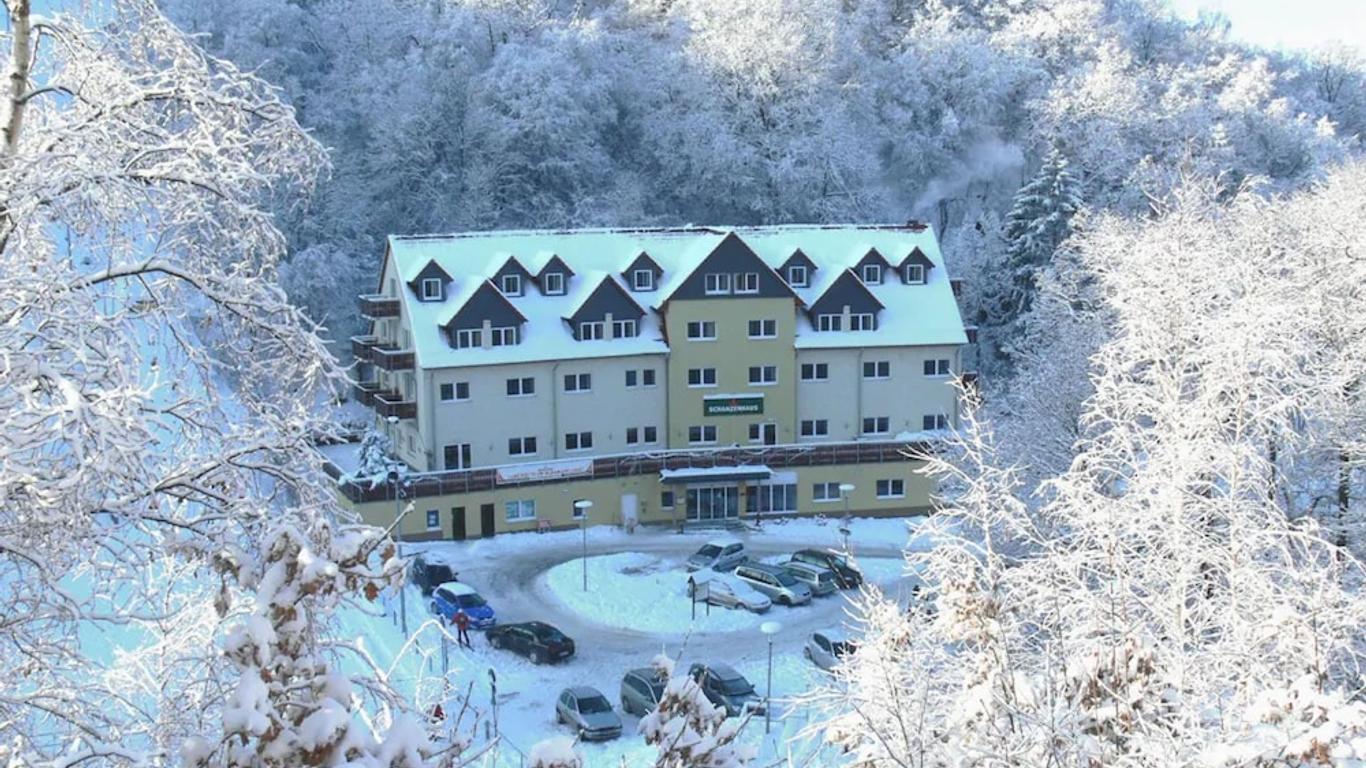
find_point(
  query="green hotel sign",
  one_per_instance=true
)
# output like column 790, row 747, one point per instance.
column 733, row 406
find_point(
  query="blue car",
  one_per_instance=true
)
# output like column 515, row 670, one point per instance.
column 453, row 597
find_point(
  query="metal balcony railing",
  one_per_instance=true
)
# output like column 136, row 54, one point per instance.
column 375, row 305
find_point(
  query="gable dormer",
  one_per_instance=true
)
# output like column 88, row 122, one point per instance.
column 915, row 268
column 511, row 278
column 846, row 305
column 609, row 312
column 643, row 273
column 431, row 283
column 732, row 269
column 554, row 277
column 486, row 319
column 872, row 268
column 798, row 270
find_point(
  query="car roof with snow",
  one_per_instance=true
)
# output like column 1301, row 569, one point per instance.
column 723, row 542
column 833, row 635
column 458, row 588
column 723, row 671
column 584, row 692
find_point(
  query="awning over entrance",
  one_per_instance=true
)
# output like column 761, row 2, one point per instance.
column 714, row 474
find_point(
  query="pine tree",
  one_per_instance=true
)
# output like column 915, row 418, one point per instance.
column 1039, row 221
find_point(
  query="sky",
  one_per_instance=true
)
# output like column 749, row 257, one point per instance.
column 1304, row 24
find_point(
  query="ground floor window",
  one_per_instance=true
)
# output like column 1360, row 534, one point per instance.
column 713, row 502
column 825, row 492
column 771, row 498
column 891, row 489
column 521, row 510
column 433, row 519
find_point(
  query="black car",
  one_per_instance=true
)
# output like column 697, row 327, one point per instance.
column 535, row 640
column 846, row 575
column 428, row 576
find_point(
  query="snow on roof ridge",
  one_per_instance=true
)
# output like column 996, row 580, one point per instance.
column 689, row 229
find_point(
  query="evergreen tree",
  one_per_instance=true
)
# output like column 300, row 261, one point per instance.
column 1039, row 221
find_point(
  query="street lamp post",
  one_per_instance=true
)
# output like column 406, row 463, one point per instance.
column 582, row 506
column 845, row 490
column 398, row 546
column 769, row 628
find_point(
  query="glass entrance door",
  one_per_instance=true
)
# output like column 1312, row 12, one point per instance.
column 718, row 502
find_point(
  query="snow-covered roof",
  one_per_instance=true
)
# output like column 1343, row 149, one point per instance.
column 914, row 315
column 738, row 472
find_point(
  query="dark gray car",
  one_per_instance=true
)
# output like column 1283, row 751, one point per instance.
column 641, row 690
column 727, row 689
column 588, row 712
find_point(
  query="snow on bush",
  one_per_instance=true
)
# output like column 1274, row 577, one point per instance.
column 555, row 752
column 688, row 730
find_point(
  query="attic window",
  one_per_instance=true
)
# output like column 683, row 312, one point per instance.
column 643, row 280
column 512, row 285
column 915, row 274
column 552, row 283
column 872, row 273
column 623, row 329
column 828, row 322
column 431, row 289
column 591, row 330
column 747, row 282
column 716, row 283
column 796, row 275
column 468, row 337
column 505, row 336
column 862, row 321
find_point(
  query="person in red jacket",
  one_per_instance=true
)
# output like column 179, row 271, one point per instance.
column 462, row 628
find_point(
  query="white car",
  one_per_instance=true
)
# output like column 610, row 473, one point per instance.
column 827, row 648
column 726, row 591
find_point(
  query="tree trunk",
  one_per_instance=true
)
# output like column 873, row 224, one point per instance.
column 1344, row 494
column 20, row 60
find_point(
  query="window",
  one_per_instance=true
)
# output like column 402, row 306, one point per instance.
column 521, row 446
column 872, row 273
column 666, row 499
column 506, row 336
column 938, row 367
column 578, row 512
column 863, row 321
column 796, row 275
column 756, row 433
column 877, row 369
column 431, row 289
column 828, row 322
column 825, row 492
column 468, row 337
column 643, row 280
column 716, row 283
column 632, row 435
column 891, row 489
column 915, row 274
column 647, row 377
column 815, row 428
column 772, row 498
column 623, row 329
column 632, row 377
column 553, row 283
column 456, row 456
column 763, row 375
column 459, row 390
column 578, row 441
column 512, row 285
column 701, row 377
column 578, row 382
column 747, row 282
column 433, row 519
column 521, row 510
column 700, row 435
column 651, row 435
column 591, row 331
column 876, row 425
column 763, row 329
column 521, row 387
column 636, row 435
column 702, row 330
column 815, row 371
column 937, row 421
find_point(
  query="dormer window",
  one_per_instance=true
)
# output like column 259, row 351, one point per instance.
column 622, row 329
column 469, row 337
column 643, row 280
column 505, row 336
column 872, row 273
column 915, row 274
column 431, row 289
column 552, row 283
column 796, row 276
column 591, row 330
column 828, row 322
column 512, row 285
column 716, row 283
column 863, row 321
column 747, row 282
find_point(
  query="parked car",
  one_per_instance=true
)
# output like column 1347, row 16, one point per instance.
column 780, row 586
column 828, row 648
column 453, row 597
column 641, row 690
column 819, row 579
column 725, row 590
column 726, row 688
column 428, row 576
column 535, row 640
column 587, row 711
column 718, row 555
column 846, row 575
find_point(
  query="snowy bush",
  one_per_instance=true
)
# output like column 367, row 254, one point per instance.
column 688, row 730
column 555, row 752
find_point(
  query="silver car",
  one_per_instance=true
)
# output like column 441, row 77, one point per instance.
column 821, row 580
column 727, row 591
column 780, row 586
column 589, row 713
column 718, row 555
column 826, row 649
column 641, row 690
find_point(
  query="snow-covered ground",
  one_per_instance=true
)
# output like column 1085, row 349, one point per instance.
column 635, row 607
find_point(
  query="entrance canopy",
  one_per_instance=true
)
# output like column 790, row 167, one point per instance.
column 693, row 475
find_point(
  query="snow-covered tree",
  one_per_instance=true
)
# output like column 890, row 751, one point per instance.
column 1038, row 222
column 688, row 730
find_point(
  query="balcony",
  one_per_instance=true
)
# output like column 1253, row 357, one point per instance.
column 362, row 348
column 391, row 403
column 391, row 358
column 375, row 306
column 365, row 392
